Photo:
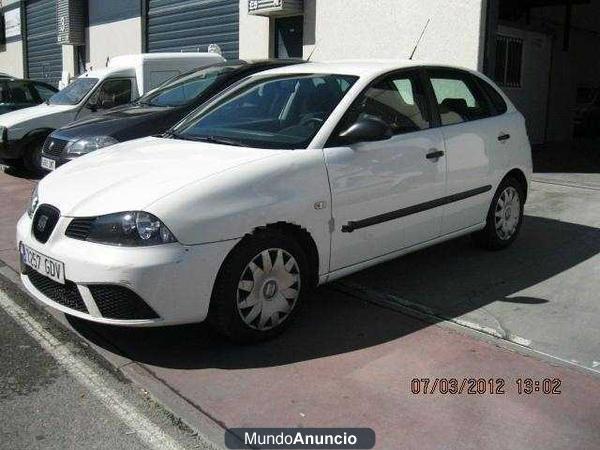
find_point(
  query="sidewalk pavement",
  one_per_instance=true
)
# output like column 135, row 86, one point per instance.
column 348, row 362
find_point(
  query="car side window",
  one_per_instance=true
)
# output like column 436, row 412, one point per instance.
column 398, row 99
column 20, row 92
column 112, row 93
column 458, row 97
column 44, row 91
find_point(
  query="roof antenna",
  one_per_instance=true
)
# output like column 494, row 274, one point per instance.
column 419, row 40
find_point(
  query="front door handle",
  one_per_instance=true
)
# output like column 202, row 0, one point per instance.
column 504, row 137
column 435, row 154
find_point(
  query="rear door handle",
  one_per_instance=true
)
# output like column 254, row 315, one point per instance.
column 504, row 137
column 435, row 155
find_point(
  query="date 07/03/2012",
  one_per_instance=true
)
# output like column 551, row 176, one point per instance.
column 484, row 386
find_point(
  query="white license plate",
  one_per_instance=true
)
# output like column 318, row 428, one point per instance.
column 48, row 164
column 51, row 268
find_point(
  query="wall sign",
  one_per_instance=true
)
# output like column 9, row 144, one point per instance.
column 12, row 20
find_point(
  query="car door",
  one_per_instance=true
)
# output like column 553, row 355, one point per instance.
column 471, row 136
column 383, row 192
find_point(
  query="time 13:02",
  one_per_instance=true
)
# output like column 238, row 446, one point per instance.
column 548, row 386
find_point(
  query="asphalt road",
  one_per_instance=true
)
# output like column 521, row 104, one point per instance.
column 44, row 404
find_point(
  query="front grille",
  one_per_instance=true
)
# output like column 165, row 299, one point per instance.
column 118, row 302
column 79, row 228
column 66, row 294
column 44, row 221
column 53, row 146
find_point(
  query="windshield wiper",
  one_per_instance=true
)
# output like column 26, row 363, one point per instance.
column 216, row 140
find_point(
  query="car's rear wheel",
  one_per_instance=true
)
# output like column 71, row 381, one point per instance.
column 259, row 288
column 504, row 218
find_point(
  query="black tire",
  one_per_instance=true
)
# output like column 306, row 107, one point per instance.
column 32, row 156
column 490, row 238
column 224, row 314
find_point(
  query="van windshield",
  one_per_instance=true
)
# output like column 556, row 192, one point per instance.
column 186, row 88
column 279, row 112
column 74, row 92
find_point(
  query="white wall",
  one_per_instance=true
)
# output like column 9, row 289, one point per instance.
column 11, row 58
column 348, row 29
column 113, row 39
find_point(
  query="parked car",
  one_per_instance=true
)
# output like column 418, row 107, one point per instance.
column 22, row 133
column 18, row 94
column 587, row 112
column 294, row 177
column 154, row 113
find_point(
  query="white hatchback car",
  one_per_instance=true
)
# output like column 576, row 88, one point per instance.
column 291, row 178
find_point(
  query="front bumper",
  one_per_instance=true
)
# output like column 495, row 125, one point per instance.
column 174, row 280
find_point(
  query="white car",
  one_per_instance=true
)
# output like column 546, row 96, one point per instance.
column 291, row 178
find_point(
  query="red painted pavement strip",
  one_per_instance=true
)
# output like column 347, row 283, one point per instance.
column 349, row 363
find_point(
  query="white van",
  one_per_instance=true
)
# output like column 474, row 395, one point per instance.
column 22, row 133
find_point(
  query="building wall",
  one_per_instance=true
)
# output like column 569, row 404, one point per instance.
column 111, row 39
column 115, row 28
column 11, row 54
column 11, row 58
column 349, row 29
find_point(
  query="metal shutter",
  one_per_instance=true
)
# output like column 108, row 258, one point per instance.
column 44, row 55
column 192, row 25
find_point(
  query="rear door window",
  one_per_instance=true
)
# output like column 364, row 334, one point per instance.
column 458, row 97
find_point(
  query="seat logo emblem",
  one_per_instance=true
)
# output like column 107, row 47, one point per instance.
column 41, row 225
column 51, row 145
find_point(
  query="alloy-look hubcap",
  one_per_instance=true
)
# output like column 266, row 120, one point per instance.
column 268, row 289
column 508, row 213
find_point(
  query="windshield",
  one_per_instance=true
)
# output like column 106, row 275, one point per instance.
column 281, row 112
column 185, row 88
column 74, row 92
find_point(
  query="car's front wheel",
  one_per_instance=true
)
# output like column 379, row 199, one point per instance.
column 259, row 287
column 505, row 216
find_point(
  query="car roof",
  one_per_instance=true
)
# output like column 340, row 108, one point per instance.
column 359, row 68
column 9, row 79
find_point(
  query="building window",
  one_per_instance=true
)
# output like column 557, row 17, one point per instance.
column 509, row 61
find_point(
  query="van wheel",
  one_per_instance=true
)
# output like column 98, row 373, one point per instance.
column 259, row 288
column 504, row 218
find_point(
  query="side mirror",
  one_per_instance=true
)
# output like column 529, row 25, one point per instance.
column 93, row 107
column 366, row 129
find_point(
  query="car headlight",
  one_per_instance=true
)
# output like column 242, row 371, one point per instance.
column 89, row 144
column 33, row 203
column 130, row 229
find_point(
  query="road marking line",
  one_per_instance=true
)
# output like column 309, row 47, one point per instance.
column 147, row 431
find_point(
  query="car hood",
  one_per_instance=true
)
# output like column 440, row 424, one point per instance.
column 35, row 112
column 133, row 175
column 123, row 119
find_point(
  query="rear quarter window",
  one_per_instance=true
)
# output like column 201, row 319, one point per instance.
column 500, row 106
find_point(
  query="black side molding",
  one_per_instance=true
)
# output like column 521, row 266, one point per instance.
column 393, row 215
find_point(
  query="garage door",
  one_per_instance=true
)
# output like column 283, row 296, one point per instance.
column 192, row 25
column 44, row 55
